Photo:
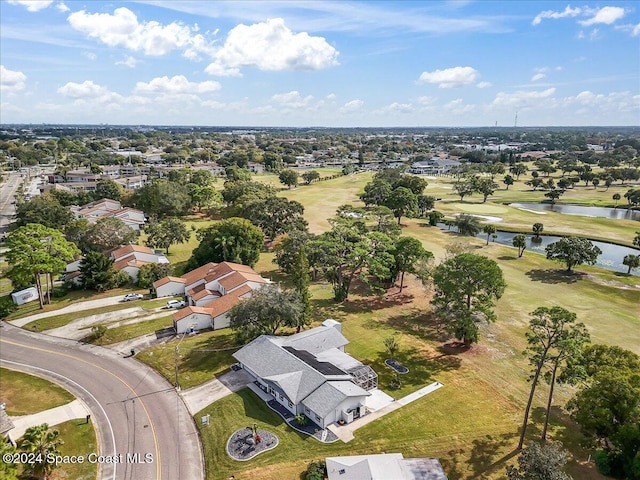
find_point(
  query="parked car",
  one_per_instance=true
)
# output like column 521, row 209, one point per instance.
column 175, row 304
column 132, row 296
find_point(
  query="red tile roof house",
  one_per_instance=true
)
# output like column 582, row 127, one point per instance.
column 211, row 291
column 127, row 258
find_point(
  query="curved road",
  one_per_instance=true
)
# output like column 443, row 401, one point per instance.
column 136, row 411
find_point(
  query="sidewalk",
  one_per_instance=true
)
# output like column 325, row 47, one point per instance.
column 75, row 307
column 53, row 416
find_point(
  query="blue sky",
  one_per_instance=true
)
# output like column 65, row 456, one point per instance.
column 320, row 63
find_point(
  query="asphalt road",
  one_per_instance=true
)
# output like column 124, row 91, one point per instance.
column 7, row 190
column 134, row 409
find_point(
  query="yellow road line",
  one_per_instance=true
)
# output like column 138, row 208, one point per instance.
column 153, row 430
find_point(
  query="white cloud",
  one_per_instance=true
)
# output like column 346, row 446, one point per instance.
column 458, row 107
column 352, row 106
column 176, row 85
column 221, row 71
column 522, row 98
column 400, row 107
column 629, row 27
column 128, row 61
column 538, row 76
column 426, row 100
column 636, row 30
column 62, row 7
column 86, row 89
column 32, row 5
column 89, row 55
column 292, row 99
column 331, row 96
column 484, row 84
column 11, row 80
column 123, row 29
column 271, row 45
column 606, row 15
column 450, row 77
column 568, row 12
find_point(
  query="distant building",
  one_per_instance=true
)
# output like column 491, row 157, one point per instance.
column 434, row 166
column 106, row 208
column 385, row 466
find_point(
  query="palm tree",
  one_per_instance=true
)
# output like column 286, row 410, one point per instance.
column 489, row 230
column 467, row 225
column 44, row 443
column 537, row 230
column 392, row 346
column 520, row 242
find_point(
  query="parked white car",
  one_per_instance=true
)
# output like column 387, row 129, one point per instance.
column 175, row 304
column 132, row 296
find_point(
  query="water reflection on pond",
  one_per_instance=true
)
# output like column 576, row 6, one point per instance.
column 621, row 213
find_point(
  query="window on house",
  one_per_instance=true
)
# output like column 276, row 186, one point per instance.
column 307, row 410
column 290, row 405
column 317, row 418
column 342, row 471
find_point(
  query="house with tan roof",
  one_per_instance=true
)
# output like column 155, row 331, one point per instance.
column 210, row 292
column 106, row 208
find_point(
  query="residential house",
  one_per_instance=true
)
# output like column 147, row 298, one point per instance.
column 434, row 166
column 126, row 258
column 6, row 425
column 210, row 292
column 384, row 466
column 105, row 208
column 309, row 373
column 129, row 258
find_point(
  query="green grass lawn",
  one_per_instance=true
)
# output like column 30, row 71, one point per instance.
column 71, row 297
column 127, row 332
column 79, row 439
column 25, row 394
column 201, row 357
column 56, row 321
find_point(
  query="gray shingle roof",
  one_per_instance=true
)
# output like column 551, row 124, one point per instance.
column 315, row 340
column 5, row 422
column 271, row 362
column 330, row 394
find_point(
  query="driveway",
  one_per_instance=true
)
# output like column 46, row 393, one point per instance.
column 199, row 397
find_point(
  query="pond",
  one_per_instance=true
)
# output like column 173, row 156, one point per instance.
column 611, row 257
column 621, row 213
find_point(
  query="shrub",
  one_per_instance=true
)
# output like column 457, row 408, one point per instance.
column 7, row 306
column 301, row 419
column 602, row 462
column 316, row 471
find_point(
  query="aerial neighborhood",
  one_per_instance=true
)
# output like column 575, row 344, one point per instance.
column 336, row 240
column 339, row 295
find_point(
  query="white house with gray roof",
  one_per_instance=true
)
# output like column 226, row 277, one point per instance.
column 310, row 373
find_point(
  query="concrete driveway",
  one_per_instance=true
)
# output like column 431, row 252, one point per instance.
column 197, row 398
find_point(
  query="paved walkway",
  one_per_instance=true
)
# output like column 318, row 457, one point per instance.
column 345, row 432
column 139, row 343
column 53, row 416
column 75, row 307
column 197, row 398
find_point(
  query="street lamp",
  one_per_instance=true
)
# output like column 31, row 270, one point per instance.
column 177, row 351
